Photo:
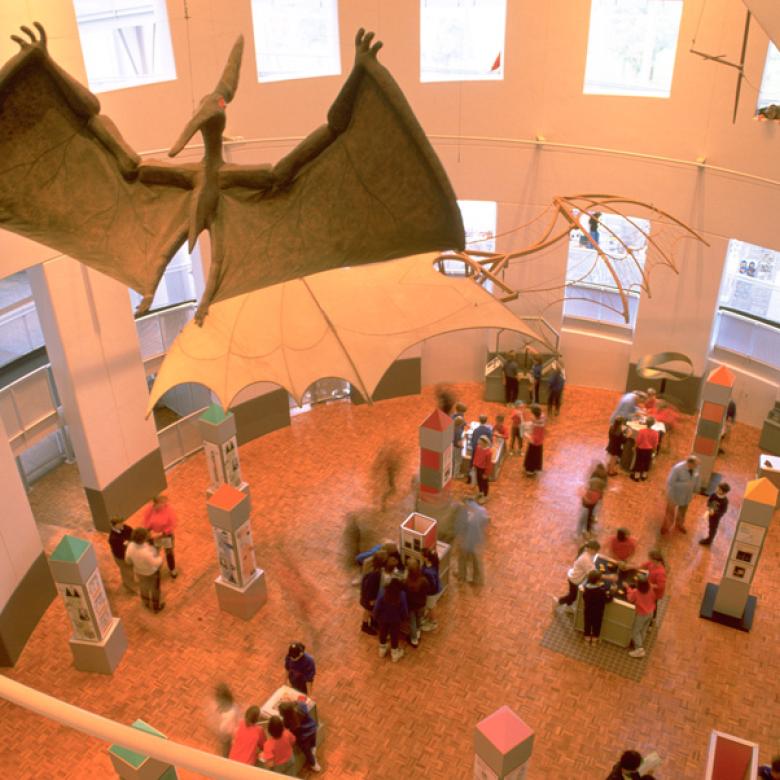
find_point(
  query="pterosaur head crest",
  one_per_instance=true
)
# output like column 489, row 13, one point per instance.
column 210, row 116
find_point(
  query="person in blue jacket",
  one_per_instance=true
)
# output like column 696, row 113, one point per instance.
column 390, row 610
column 555, row 385
column 296, row 718
column 300, row 668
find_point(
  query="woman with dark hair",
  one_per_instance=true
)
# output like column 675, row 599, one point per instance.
column 617, row 438
column 646, row 445
column 300, row 723
column 248, row 739
column 622, row 545
column 534, row 453
column 278, row 749
column 300, row 668
column 390, row 611
column 369, row 589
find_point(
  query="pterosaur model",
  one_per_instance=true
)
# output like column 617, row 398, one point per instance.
column 363, row 188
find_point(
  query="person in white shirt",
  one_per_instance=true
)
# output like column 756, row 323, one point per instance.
column 146, row 561
column 577, row 574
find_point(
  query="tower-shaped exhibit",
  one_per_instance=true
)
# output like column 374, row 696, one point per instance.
column 435, row 458
column 502, row 746
column 130, row 765
column 240, row 585
column 730, row 602
column 99, row 640
column 715, row 397
column 220, row 446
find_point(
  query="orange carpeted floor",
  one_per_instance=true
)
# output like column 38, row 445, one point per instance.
column 415, row 719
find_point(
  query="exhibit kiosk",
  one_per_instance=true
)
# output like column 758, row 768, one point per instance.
column 99, row 640
column 130, row 765
column 220, row 446
column 418, row 533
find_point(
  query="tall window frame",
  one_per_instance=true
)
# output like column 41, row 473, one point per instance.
column 632, row 47
column 462, row 40
column 125, row 43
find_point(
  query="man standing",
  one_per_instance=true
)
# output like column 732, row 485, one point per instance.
column 146, row 561
column 510, row 377
column 628, row 405
column 682, row 483
column 717, row 504
column 470, row 522
column 555, row 385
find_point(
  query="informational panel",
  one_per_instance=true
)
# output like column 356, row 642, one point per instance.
column 84, row 627
column 246, row 553
column 96, row 594
column 226, row 556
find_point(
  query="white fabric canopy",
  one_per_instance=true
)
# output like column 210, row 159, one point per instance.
column 348, row 322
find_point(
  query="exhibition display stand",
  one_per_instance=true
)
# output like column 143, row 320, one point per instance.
column 99, row 640
column 417, row 533
column 220, row 446
column 730, row 603
column 240, row 586
column 769, row 467
column 499, row 451
column 130, row 765
column 619, row 613
column 715, row 397
column 271, row 707
column 502, row 746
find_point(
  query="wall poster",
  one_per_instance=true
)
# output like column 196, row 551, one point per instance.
column 226, row 555
column 246, row 553
column 78, row 611
column 100, row 605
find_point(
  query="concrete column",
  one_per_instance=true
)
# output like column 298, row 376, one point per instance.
column 26, row 587
column 92, row 343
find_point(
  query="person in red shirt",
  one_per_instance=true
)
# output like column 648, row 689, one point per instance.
column 622, row 546
column 483, row 464
column 646, row 443
column 656, row 574
column 517, row 429
column 500, row 429
column 160, row 521
column 278, row 750
column 651, row 401
column 248, row 739
column 534, row 453
column 643, row 597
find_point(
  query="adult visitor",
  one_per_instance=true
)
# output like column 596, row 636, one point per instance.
column 717, row 504
column 628, row 406
column 160, row 521
column 511, row 384
column 618, row 433
column 536, row 376
column 146, row 561
column 300, row 668
column 224, row 717
column 590, row 499
column 534, row 453
column 577, row 574
column 299, row 722
column 470, row 523
column 555, row 384
column 681, row 485
column 118, row 538
column 369, row 590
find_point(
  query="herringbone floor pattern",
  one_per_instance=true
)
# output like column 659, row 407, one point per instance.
column 415, row 719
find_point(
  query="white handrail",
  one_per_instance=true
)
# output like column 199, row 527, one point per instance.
column 115, row 733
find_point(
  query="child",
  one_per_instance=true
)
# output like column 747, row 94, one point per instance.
column 534, row 454
column 643, row 597
column 298, row 721
column 578, row 573
column 224, row 717
column 617, row 438
column 418, row 587
column 369, row 590
column 595, row 596
column 390, row 611
column 499, row 429
column 656, row 575
column 249, row 738
column 278, row 750
column 483, row 465
column 430, row 569
column 621, row 545
column 592, row 494
column 459, row 426
column 646, row 445
column 517, row 429
column 717, row 504
column 300, row 668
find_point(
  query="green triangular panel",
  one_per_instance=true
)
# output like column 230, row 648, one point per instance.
column 215, row 414
column 70, row 549
column 130, row 756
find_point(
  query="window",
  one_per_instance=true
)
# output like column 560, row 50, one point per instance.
column 631, row 47
column 770, row 83
column 479, row 224
column 462, row 40
column 296, row 39
column 20, row 330
column 748, row 317
column 591, row 290
column 125, row 43
column 176, row 286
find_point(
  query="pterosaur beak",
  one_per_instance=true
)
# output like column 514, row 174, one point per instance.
column 209, row 109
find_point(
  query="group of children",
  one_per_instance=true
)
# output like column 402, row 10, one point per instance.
column 393, row 591
column 244, row 738
column 599, row 589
